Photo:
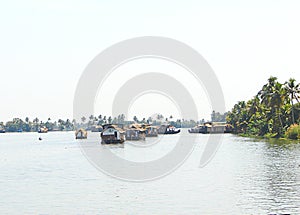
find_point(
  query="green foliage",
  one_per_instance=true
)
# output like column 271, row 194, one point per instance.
column 218, row 117
column 293, row 132
column 270, row 112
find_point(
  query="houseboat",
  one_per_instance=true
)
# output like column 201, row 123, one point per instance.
column 135, row 132
column 43, row 130
column 151, row 131
column 212, row 127
column 112, row 134
column 168, row 129
column 81, row 134
column 96, row 128
column 2, row 130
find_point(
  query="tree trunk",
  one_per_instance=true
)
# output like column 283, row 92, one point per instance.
column 293, row 116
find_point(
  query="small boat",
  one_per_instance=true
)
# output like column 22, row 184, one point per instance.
column 168, row 129
column 96, row 128
column 81, row 134
column 43, row 130
column 112, row 134
column 172, row 130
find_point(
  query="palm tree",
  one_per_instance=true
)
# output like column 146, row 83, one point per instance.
column 74, row 123
column 83, row 119
column 272, row 97
column 265, row 93
column 61, row 124
column 293, row 91
column 91, row 121
column 277, row 100
column 36, row 121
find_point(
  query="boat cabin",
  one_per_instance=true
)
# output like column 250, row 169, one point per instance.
column 212, row 127
column 81, row 134
column 135, row 132
column 112, row 134
column 168, row 129
column 151, row 131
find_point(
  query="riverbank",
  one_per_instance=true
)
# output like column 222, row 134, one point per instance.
column 269, row 138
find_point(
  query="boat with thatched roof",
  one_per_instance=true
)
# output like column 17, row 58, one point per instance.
column 151, row 131
column 112, row 134
column 81, row 134
column 135, row 132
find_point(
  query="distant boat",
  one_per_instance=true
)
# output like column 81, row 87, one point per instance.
column 81, row 134
column 212, row 127
column 168, row 129
column 135, row 132
column 202, row 129
column 97, row 128
column 43, row 130
column 112, row 134
column 151, row 131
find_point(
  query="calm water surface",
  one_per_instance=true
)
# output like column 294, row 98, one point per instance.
column 53, row 177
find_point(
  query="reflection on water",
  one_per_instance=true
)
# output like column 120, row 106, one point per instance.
column 246, row 176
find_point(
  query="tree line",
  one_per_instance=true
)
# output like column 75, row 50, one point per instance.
column 271, row 112
column 27, row 125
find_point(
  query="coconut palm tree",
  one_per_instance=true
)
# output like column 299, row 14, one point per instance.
column 265, row 93
column 293, row 91
column 278, row 98
column 36, row 121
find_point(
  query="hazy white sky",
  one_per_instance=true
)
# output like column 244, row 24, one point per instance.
column 45, row 46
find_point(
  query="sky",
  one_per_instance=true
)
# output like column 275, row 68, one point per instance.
column 46, row 45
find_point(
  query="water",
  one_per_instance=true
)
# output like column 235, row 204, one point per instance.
column 53, row 177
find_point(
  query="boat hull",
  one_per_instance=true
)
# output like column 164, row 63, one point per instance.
column 112, row 141
column 172, row 132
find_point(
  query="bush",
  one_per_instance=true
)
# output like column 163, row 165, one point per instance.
column 293, row 132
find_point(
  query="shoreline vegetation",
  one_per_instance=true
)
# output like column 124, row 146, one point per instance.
column 26, row 125
column 274, row 112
